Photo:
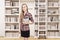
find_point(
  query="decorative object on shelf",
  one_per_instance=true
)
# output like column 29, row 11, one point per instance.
column 53, row 11
column 53, row 4
column 53, row 18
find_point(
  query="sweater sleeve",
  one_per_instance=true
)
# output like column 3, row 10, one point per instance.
column 30, row 17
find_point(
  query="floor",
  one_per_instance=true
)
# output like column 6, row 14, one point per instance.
column 31, row 38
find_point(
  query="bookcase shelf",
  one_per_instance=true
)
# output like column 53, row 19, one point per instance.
column 48, row 18
column 12, row 18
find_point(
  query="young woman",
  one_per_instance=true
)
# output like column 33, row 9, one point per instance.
column 24, row 25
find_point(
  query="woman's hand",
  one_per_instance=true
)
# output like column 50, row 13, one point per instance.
column 29, row 22
column 25, row 22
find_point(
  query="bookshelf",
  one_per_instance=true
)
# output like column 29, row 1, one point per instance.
column 40, row 16
column 12, row 18
column 47, row 18
column 53, row 18
column 12, row 11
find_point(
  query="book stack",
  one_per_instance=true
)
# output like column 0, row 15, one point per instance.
column 15, row 3
column 11, row 19
column 42, row 18
column 8, row 11
column 56, row 33
column 41, row 10
column 12, row 27
column 42, row 32
column 42, row 5
column 42, row 27
column 11, row 34
column 8, row 3
column 53, row 34
column 41, row 0
column 53, row 4
column 52, row 26
column 15, row 11
column 12, row 11
column 7, row 27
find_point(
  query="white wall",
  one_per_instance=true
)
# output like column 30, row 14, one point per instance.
column 2, row 32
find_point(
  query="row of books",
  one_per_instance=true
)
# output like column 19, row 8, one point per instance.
column 42, row 6
column 42, row 10
column 11, row 19
column 42, row 36
column 41, row 27
column 42, row 32
column 53, row 18
column 11, row 34
column 53, row 11
column 12, row 27
column 53, row 33
column 52, row 26
column 41, row 0
column 11, row 3
column 53, row 4
column 36, row 0
column 41, row 19
column 12, row 11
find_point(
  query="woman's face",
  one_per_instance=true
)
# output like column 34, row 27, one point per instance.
column 24, row 7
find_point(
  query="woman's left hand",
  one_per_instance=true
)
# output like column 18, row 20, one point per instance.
column 28, row 22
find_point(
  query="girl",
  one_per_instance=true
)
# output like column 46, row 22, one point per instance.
column 25, row 19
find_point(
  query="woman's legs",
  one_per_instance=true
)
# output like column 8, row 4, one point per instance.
column 25, row 38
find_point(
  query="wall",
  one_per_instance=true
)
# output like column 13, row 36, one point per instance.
column 2, row 18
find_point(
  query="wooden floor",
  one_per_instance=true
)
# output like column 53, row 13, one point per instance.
column 31, row 38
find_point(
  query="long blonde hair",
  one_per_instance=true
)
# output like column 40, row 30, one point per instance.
column 22, row 12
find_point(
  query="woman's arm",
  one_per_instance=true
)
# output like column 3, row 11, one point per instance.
column 31, row 21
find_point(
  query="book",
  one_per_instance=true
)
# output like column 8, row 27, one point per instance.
column 8, row 11
column 15, row 3
column 26, row 19
column 15, row 11
column 7, row 27
column 12, row 27
column 7, row 3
